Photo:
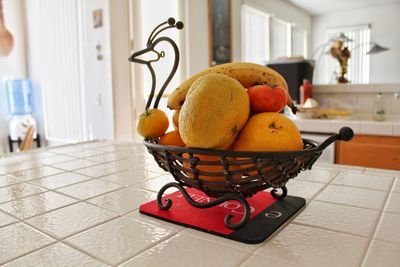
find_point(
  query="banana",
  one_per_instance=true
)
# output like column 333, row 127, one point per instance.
column 248, row 74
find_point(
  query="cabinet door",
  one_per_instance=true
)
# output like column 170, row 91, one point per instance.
column 370, row 151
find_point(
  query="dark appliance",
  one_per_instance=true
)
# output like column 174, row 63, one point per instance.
column 294, row 71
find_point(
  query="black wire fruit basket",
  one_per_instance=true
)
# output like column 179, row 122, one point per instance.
column 235, row 175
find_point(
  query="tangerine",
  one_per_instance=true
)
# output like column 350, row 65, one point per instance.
column 171, row 139
column 152, row 123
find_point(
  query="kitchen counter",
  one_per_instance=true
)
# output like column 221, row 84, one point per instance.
column 78, row 205
column 360, row 123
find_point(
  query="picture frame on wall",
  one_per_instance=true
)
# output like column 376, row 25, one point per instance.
column 220, row 33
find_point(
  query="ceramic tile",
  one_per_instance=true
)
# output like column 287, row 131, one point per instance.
column 256, row 260
column 312, row 125
column 304, row 189
column 155, row 184
column 18, row 239
column 6, row 219
column 75, row 164
column 396, row 186
column 337, row 124
column 317, row 175
column 359, row 197
column 119, row 239
column 19, row 166
column 393, row 203
column 59, row 255
column 190, row 252
column 308, row 246
column 35, row 205
column 17, row 191
column 94, row 144
column 382, row 253
column 65, row 149
column 71, row 219
column 396, row 129
column 375, row 171
column 35, row 173
column 220, row 240
column 376, row 128
column 85, row 153
column 365, row 181
column 154, row 221
column 129, row 177
column 109, row 157
column 388, row 228
column 54, row 159
column 6, row 180
column 124, row 200
column 134, row 162
column 60, row 180
column 100, row 170
column 340, row 167
column 89, row 189
column 37, row 154
column 339, row 218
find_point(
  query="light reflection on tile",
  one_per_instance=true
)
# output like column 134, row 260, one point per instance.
column 60, row 180
column 129, row 177
column 100, row 170
column 6, row 219
column 75, row 164
column 71, row 219
column 17, row 191
column 6, row 180
column 35, row 173
column 89, row 189
column 54, row 159
column 59, row 255
column 18, row 239
column 119, row 239
column 37, row 204
column 124, row 200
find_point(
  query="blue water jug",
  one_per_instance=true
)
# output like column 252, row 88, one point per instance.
column 19, row 94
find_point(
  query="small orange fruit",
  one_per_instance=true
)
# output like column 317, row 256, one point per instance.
column 175, row 118
column 212, row 169
column 171, row 139
column 152, row 123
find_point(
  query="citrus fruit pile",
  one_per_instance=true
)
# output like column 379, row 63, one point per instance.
column 233, row 106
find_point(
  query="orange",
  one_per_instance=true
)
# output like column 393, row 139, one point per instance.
column 152, row 123
column 269, row 131
column 209, row 168
column 175, row 118
column 171, row 139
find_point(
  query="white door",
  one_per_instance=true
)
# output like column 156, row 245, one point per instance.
column 97, row 69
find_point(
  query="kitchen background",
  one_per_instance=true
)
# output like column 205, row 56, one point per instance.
column 84, row 88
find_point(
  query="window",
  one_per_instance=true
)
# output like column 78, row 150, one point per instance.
column 255, row 27
column 358, row 65
column 267, row 38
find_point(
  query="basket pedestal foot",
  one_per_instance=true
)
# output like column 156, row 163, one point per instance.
column 228, row 218
column 281, row 195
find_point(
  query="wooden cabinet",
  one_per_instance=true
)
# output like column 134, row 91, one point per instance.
column 370, row 151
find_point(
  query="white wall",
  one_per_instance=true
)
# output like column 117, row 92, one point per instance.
column 13, row 66
column 385, row 20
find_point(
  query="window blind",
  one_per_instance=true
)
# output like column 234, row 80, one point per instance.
column 255, row 35
column 280, row 39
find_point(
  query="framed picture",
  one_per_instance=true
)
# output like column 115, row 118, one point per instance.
column 219, row 31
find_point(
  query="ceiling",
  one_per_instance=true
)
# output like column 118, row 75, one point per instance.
column 318, row 7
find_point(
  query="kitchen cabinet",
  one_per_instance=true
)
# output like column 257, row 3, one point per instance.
column 370, row 151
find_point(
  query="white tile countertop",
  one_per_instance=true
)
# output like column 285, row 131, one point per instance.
column 78, row 206
column 361, row 124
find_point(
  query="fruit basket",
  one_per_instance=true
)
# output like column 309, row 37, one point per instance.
column 235, row 175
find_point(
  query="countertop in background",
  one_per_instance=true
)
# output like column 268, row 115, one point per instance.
column 78, row 205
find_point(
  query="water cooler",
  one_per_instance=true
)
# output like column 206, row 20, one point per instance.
column 19, row 96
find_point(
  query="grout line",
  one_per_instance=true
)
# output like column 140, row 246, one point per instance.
column 377, row 223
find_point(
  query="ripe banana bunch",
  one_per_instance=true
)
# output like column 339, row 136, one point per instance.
column 248, row 74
